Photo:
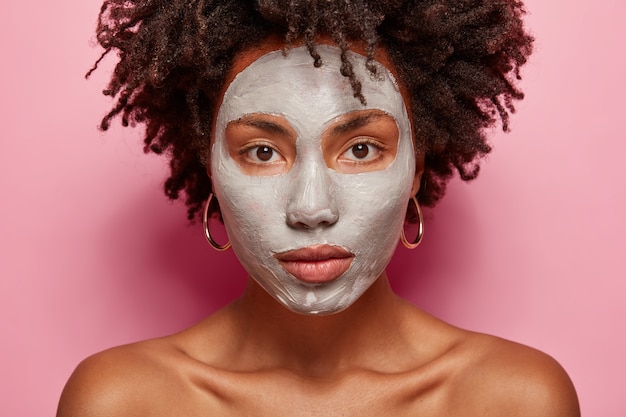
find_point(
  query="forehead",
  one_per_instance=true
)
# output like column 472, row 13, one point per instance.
column 290, row 85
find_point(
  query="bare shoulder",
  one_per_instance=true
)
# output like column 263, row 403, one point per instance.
column 133, row 380
column 507, row 378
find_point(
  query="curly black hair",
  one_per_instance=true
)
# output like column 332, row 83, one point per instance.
column 458, row 59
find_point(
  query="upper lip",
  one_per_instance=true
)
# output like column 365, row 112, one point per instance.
column 313, row 253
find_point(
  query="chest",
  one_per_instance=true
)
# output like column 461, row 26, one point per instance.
column 288, row 396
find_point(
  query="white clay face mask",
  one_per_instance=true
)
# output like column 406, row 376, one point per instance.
column 313, row 186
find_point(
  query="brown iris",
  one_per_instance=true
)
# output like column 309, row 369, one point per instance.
column 264, row 153
column 360, row 150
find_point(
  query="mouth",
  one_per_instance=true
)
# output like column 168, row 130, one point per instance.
column 316, row 264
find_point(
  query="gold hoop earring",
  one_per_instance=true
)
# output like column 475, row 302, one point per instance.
column 207, row 233
column 420, row 230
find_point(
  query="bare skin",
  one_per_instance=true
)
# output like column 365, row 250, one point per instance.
column 380, row 357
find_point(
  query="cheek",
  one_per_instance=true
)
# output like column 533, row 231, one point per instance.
column 374, row 202
column 381, row 191
column 249, row 204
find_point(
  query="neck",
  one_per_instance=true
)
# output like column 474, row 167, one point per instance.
column 270, row 336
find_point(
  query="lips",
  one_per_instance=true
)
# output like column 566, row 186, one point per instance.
column 316, row 264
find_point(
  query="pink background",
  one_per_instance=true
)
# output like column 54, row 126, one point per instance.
column 93, row 256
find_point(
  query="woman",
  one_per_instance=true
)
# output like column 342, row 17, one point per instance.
column 314, row 130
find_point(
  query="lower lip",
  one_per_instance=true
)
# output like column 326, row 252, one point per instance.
column 317, row 272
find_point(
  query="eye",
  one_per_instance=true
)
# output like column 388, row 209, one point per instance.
column 364, row 151
column 261, row 154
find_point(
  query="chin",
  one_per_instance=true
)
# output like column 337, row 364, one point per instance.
column 323, row 300
column 314, row 310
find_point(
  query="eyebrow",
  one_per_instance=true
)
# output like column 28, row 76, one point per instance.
column 357, row 121
column 260, row 123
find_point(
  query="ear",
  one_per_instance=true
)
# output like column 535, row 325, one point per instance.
column 419, row 170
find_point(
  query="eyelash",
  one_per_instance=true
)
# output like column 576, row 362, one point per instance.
column 245, row 152
column 370, row 143
column 378, row 148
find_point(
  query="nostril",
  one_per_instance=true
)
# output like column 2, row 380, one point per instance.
column 301, row 225
column 311, row 204
column 324, row 217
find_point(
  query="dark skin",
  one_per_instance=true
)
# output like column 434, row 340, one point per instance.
column 381, row 356
column 359, row 362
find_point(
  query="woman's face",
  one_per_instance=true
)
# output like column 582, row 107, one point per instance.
column 313, row 186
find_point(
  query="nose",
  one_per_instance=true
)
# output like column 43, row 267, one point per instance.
column 311, row 204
